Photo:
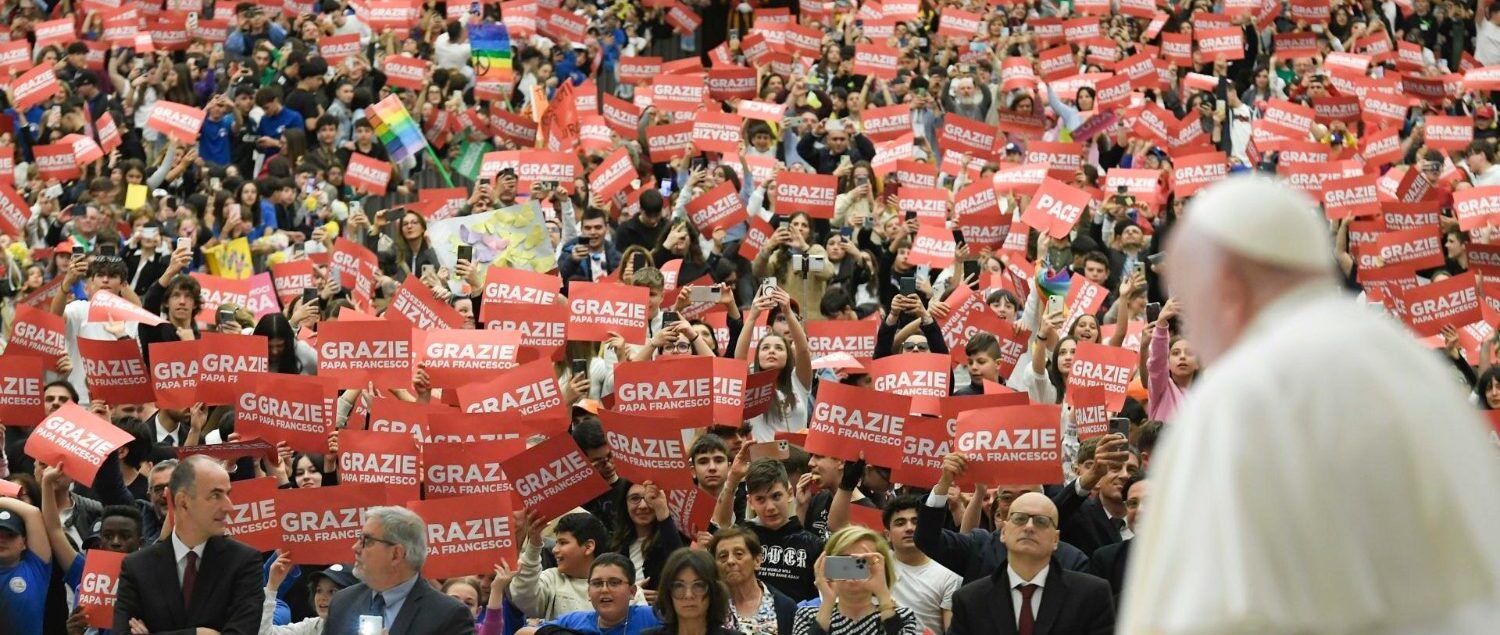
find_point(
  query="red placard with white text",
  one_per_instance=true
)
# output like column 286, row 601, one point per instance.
column 21, row 380
column 600, row 308
column 811, row 193
column 1057, row 207
column 228, row 361
column 355, row 354
column 367, row 174
column 553, row 477
column 681, row 388
column 297, row 409
column 454, row 357
column 318, row 524
column 467, row 535
column 647, row 448
column 1428, row 308
column 388, row 459
column 77, row 440
column 528, row 394
column 1011, row 444
column 115, row 371
column 847, row 421
column 174, row 373
column 99, row 584
column 1107, row 366
column 34, row 87
column 177, row 121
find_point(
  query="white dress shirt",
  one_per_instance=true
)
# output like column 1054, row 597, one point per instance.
column 1040, row 580
column 180, row 550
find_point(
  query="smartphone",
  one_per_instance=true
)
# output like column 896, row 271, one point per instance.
column 971, row 269
column 109, row 250
column 816, row 264
column 1055, row 305
column 860, row 179
column 214, row 183
column 637, row 261
column 869, row 221
column 767, row 286
column 309, row 296
column 466, row 252
column 799, row 263
column 911, row 215
column 1153, row 311
column 394, row 215
column 428, row 270
column 371, row 624
column 779, row 450
column 224, row 315
column 908, row 285
column 704, row 294
column 698, row 163
column 184, row 242
column 846, row 232
column 776, row 220
column 1140, row 267
column 580, row 366
column 669, row 317
column 958, row 237
column 845, row 568
column 1120, row 426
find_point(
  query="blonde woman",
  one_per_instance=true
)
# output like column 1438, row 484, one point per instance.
column 859, row 606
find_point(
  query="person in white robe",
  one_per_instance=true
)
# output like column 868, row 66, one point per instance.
column 1326, row 475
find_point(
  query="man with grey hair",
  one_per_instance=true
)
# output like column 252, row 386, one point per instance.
column 388, row 559
column 1325, row 475
column 197, row 578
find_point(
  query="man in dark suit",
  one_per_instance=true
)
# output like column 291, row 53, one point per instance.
column 388, row 559
column 1032, row 594
column 197, row 581
column 1090, row 522
column 1110, row 561
column 975, row 554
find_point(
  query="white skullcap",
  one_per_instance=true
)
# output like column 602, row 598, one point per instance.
column 1264, row 220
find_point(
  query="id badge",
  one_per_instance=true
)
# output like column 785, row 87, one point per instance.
column 371, row 624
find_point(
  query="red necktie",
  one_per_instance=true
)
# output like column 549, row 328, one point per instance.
column 1028, row 621
column 189, row 574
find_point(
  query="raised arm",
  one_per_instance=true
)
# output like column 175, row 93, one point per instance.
column 57, row 537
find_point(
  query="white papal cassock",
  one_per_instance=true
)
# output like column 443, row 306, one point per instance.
column 1325, row 476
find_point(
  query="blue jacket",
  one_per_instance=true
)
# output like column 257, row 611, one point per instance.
column 583, row 270
column 236, row 42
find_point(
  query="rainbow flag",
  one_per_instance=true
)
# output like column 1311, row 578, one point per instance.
column 489, row 45
column 396, row 129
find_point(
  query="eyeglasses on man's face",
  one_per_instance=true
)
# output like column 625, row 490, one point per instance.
column 607, row 583
column 366, row 539
column 1019, row 519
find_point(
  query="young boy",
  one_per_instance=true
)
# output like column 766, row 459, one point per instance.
column 548, row 594
column 790, row 551
column 984, row 363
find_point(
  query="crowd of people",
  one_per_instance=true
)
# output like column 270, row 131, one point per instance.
column 964, row 204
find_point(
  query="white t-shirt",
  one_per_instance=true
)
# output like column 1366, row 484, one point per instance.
column 927, row 590
column 1487, row 44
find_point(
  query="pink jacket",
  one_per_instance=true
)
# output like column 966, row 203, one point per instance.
column 1163, row 393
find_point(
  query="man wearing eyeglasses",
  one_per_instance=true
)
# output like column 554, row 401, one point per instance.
column 391, row 597
column 1033, row 593
column 1110, row 560
column 1092, row 507
column 611, row 587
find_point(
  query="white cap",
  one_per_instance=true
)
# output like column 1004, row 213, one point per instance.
column 1264, row 220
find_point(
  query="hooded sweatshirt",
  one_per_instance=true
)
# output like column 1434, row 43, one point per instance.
column 788, row 556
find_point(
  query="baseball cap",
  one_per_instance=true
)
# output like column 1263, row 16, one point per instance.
column 1485, row 112
column 341, row 575
column 12, row 522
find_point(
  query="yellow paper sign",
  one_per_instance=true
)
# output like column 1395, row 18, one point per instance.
column 135, row 196
column 230, row 260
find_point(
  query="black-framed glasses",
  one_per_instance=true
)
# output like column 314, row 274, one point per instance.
column 1039, row 521
column 915, row 347
column 685, row 590
column 1132, row 503
column 365, row 540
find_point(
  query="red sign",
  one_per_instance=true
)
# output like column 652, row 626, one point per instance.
column 1090, row 412
column 1475, row 206
column 811, row 193
column 600, row 308
column 847, row 421
column 388, row 459
column 115, row 371
column 320, row 525
column 1429, row 308
column 679, row 93
column 1011, row 444
column 648, row 448
column 875, row 60
column 1449, row 133
column 467, row 535
column 681, row 388
column 1101, row 365
column 1215, row 44
column 56, row 161
column 1057, row 206
column 34, row 87
column 614, row 174
column 553, row 477
column 1194, row 172
column 14, row 211
column 912, row 374
column 462, row 356
column 254, row 520
column 100, row 582
column 298, row 409
column 414, row 303
column 75, row 439
column 177, row 121
column 227, row 362
column 542, row 327
column 1351, row 197
column 174, row 373
column 367, row 174
column 961, row 134
column 467, row 468
column 934, row 245
column 38, row 333
column 406, row 72
column 355, row 354
column 718, row 208
column 21, row 389
column 1415, row 248
column 528, row 393
column 638, row 70
column 504, row 285
column 855, row 337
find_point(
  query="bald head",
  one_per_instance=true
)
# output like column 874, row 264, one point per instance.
column 1028, row 540
column 1244, row 243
